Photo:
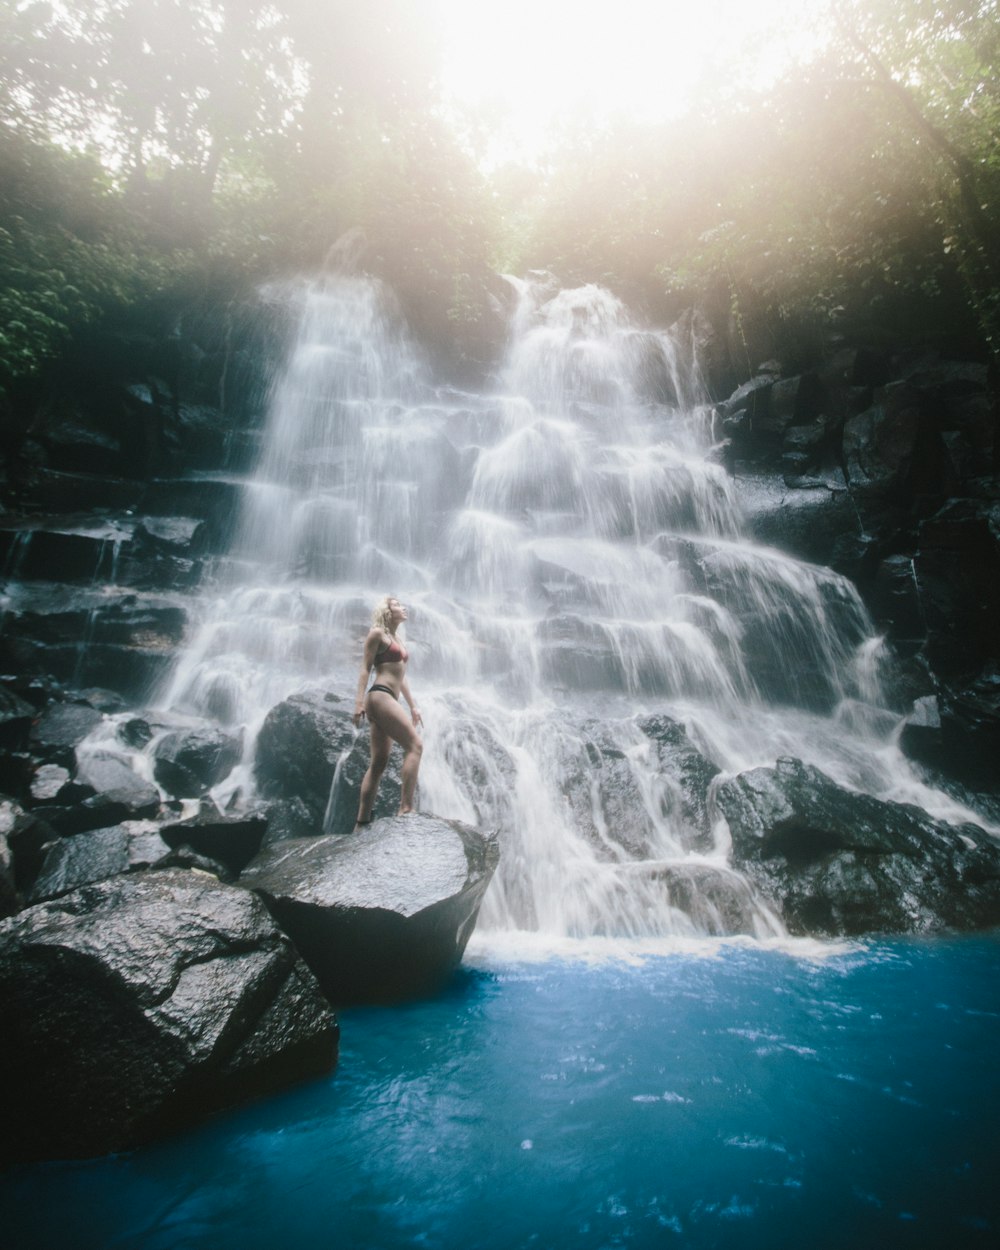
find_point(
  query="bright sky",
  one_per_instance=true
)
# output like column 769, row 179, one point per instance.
column 539, row 58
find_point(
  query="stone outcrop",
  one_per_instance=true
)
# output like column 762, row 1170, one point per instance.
column 381, row 914
column 837, row 863
column 69, row 863
column 299, row 746
column 132, row 1007
column 189, row 762
column 230, row 839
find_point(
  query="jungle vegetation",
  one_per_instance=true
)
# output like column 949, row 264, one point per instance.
column 168, row 150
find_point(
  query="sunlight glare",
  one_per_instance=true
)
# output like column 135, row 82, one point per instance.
column 536, row 61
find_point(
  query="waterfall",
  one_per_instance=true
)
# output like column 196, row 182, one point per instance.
column 579, row 586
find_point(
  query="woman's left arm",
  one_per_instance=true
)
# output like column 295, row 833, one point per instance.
column 414, row 710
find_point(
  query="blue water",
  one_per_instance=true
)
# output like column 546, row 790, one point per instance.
column 745, row 1098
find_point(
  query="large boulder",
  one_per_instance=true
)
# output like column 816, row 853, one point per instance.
column 137, row 1005
column 299, row 746
column 345, row 793
column 838, row 863
column 97, row 855
column 188, row 762
column 60, row 730
column 383, row 914
column 111, row 793
column 231, row 839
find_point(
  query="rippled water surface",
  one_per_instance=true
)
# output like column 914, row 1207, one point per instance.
column 713, row 1096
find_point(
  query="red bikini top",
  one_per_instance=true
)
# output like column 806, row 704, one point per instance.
column 394, row 652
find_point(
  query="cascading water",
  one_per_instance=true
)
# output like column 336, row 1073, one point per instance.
column 575, row 568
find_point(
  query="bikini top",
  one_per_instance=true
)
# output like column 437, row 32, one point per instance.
column 394, row 652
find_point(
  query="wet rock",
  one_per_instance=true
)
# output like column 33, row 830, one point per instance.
column 299, row 746
column 108, row 775
column 956, row 733
column 383, row 914
column 134, row 1006
column 752, row 397
column 26, row 834
column 472, row 751
column 50, row 782
column 60, row 730
column 291, row 818
column 196, row 435
column 717, row 901
column 96, row 856
column 232, row 840
column 64, row 550
column 603, row 791
column 75, row 445
column 215, row 500
column 108, row 701
column 185, row 856
column 837, row 863
column 578, row 654
column 187, row 763
column 17, row 769
column 887, row 453
column 54, row 491
column 792, row 401
column 345, row 794
column 135, row 732
column 116, row 793
column 895, row 601
column 9, row 901
column 16, row 717
column 684, row 777
column 957, row 569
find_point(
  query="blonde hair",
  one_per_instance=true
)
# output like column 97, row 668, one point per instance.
column 382, row 616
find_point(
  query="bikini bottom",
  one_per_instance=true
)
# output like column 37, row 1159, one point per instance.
column 383, row 690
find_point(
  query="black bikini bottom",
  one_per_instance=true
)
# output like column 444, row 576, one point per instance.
column 382, row 690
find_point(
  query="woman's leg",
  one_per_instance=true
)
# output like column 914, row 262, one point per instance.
column 380, row 746
column 385, row 712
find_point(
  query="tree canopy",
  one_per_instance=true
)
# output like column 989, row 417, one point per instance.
column 154, row 145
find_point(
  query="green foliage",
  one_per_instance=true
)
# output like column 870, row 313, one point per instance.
column 152, row 147
column 68, row 254
column 833, row 199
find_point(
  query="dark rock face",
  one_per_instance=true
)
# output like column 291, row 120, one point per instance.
column 289, row 818
column 957, row 733
column 189, row 762
column 231, row 840
column 603, row 792
column 26, row 836
column 61, row 728
column 957, row 570
column 131, row 1007
column 97, row 856
column 300, row 745
column 838, row 863
column 881, row 445
column 16, row 716
column 718, row 901
column 9, row 901
column 125, row 644
column 382, row 914
column 685, row 778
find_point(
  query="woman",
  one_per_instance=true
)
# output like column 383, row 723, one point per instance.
column 386, row 719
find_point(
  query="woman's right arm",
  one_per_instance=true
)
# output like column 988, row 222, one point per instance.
column 371, row 648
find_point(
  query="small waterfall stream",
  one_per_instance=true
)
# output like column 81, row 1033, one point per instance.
column 576, row 574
